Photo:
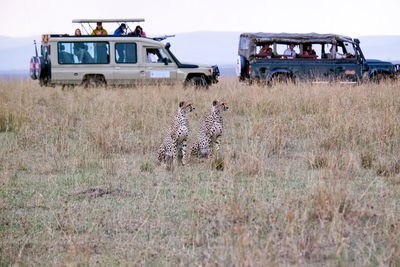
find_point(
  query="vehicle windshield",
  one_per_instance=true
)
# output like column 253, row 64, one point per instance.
column 349, row 48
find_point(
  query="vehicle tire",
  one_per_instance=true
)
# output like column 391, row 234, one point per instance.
column 242, row 66
column 198, row 82
column 281, row 78
column 39, row 70
column 32, row 67
column 94, row 82
column 378, row 77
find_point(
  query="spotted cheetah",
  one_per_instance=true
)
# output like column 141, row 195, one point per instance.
column 174, row 143
column 210, row 131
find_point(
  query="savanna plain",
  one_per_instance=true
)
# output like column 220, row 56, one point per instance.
column 306, row 175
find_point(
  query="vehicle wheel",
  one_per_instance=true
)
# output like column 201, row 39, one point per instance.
column 198, row 82
column 94, row 82
column 281, row 78
column 378, row 77
column 44, row 82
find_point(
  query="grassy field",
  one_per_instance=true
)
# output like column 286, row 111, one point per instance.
column 311, row 176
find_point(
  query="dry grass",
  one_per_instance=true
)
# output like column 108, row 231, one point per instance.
column 311, row 175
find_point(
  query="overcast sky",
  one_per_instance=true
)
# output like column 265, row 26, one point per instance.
column 349, row 17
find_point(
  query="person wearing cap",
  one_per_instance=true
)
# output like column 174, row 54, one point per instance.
column 99, row 30
column 120, row 30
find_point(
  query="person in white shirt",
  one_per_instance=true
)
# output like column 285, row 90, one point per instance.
column 152, row 56
column 290, row 51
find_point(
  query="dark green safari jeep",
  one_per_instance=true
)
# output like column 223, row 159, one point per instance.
column 268, row 57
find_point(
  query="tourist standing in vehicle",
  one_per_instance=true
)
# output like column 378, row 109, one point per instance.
column 138, row 32
column 120, row 30
column 99, row 30
column 290, row 51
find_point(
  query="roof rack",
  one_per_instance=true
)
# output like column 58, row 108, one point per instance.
column 119, row 21
column 106, row 20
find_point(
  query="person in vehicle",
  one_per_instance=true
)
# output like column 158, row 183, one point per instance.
column 78, row 31
column 290, row 51
column 152, row 55
column 138, row 32
column 337, row 54
column 309, row 52
column 120, row 30
column 266, row 51
column 65, row 57
column 80, row 51
column 99, row 29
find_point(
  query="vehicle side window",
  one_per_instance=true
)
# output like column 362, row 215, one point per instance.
column 83, row 53
column 318, row 50
column 156, row 55
column 327, row 54
column 125, row 53
column 244, row 43
column 280, row 48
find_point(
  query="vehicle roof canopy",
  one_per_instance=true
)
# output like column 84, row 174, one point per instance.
column 249, row 41
column 119, row 21
column 296, row 37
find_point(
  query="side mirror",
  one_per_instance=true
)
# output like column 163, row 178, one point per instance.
column 167, row 45
column 165, row 60
column 357, row 41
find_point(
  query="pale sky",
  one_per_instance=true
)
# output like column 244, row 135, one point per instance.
column 19, row 18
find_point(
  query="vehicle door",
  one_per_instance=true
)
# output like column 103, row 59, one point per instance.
column 127, row 68
column 348, row 63
column 159, row 67
column 321, row 68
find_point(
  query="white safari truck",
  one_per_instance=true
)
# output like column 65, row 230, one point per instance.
column 99, row 60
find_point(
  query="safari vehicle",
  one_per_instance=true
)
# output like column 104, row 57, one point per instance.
column 113, row 60
column 333, row 58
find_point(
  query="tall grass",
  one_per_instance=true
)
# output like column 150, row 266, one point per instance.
column 311, row 176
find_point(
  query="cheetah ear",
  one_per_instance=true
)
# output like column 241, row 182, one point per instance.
column 181, row 104
column 215, row 102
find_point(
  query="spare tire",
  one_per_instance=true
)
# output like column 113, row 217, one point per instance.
column 242, row 68
column 32, row 67
column 41, row 70
column 38, row 68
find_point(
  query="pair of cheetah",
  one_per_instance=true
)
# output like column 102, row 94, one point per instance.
column 174, row 143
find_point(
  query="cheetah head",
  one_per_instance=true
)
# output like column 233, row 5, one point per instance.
column 186, row 107
column 219, row 106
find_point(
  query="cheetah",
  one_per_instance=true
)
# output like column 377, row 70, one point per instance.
column 174, row 143
column 210, row 131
